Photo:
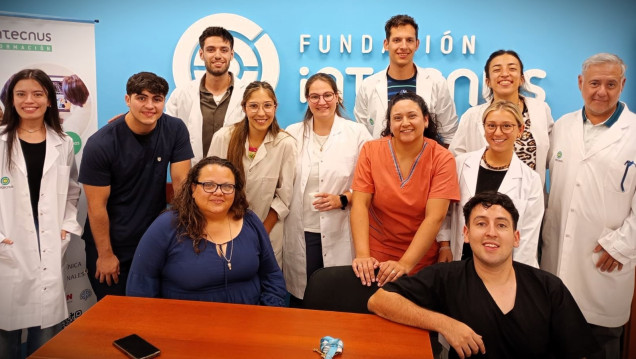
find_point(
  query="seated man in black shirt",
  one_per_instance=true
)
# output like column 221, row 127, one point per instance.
column 489, row 305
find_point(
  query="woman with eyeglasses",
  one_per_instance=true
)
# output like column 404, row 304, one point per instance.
column 505, row 81
column 209, row 246
column 317, row 231
column 265, row 155
column 498, row 168
column 402, row 187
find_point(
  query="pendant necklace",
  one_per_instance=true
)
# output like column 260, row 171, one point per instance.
column 228, row 260
column 321, row 140
column 31, row 131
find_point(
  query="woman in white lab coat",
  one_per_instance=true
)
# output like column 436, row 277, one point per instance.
column 504, row 78
column 38, row 197
column 266, row 155
column 317, row 230
column 497, row 168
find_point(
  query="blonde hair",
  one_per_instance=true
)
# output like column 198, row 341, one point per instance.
column 504, row 106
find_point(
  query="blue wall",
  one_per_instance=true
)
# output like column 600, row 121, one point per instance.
column 553, row 36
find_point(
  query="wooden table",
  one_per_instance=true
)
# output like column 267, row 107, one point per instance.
column 187, row 329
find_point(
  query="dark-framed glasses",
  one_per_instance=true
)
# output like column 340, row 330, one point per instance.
column 211, row 187
column 315, row 98
column 505, row 127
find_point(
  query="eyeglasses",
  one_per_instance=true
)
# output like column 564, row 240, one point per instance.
column 327, row 96
column 211, row 187
column 267, row 107
column 505, row 127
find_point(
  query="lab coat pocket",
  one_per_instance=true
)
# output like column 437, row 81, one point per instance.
column 6, row 256
column 267, row 190
column 8, row 265
column 63, row 175
column 617, row 194
column 9, row 276
column 614, row 274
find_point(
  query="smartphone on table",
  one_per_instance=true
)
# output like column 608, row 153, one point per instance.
column 136, row 347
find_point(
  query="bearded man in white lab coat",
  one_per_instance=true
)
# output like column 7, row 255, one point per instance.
column 213, row 101
column 589, row 233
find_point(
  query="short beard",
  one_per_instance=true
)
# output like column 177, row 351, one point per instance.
column 217, row 73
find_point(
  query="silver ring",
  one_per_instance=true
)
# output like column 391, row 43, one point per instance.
column 393, row 271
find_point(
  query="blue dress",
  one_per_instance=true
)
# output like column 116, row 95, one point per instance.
column 166, row 267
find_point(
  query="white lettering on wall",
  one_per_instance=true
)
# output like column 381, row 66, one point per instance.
column 346, row 43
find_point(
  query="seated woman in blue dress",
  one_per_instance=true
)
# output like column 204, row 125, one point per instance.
column 209, row 246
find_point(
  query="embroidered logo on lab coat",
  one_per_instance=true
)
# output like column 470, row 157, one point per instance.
column 5, row 181
column 559, row 156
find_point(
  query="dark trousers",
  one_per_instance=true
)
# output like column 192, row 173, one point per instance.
column 11, row 340
column 313, row 255
column 610, row 341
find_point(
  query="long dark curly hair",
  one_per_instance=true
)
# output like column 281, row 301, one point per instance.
column 190, row 220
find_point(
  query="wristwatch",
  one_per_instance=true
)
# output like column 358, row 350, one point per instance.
column 344, row 201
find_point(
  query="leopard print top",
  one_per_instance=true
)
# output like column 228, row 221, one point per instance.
column 526, row 146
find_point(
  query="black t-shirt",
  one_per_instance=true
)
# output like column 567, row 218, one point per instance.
column 135, row 168
column 545, row 321
column 34, row 154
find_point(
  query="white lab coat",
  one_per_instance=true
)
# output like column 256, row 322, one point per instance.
column 372, row 102
column 32, row 291
column 269, row 178
column 521, row 184
column 587, row 207
column 470, row 133
column 340, row 155
column 185, row 103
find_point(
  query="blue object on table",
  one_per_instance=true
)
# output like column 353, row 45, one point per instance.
column 330, row 346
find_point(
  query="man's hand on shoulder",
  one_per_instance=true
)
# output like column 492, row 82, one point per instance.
column 115, row 117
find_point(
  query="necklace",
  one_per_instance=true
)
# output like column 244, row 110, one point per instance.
column 496, row 168
column 321, row 140
column 31, row 131
column 228, row 260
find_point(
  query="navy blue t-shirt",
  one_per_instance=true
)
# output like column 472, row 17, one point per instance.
column 135, row 167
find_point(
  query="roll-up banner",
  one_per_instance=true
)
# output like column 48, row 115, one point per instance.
column 65, row 50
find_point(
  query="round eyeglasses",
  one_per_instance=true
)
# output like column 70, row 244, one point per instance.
column 327, row 96
column 254, row 107
column 211, row 187
column 505, row 127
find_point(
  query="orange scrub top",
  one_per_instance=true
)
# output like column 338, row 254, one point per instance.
column 399, row 199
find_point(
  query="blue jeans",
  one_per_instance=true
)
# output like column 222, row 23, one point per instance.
column 11, row 341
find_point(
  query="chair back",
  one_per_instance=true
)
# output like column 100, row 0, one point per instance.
column 337, row 289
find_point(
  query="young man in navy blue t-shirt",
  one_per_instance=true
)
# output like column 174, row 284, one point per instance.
column 124, row 172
